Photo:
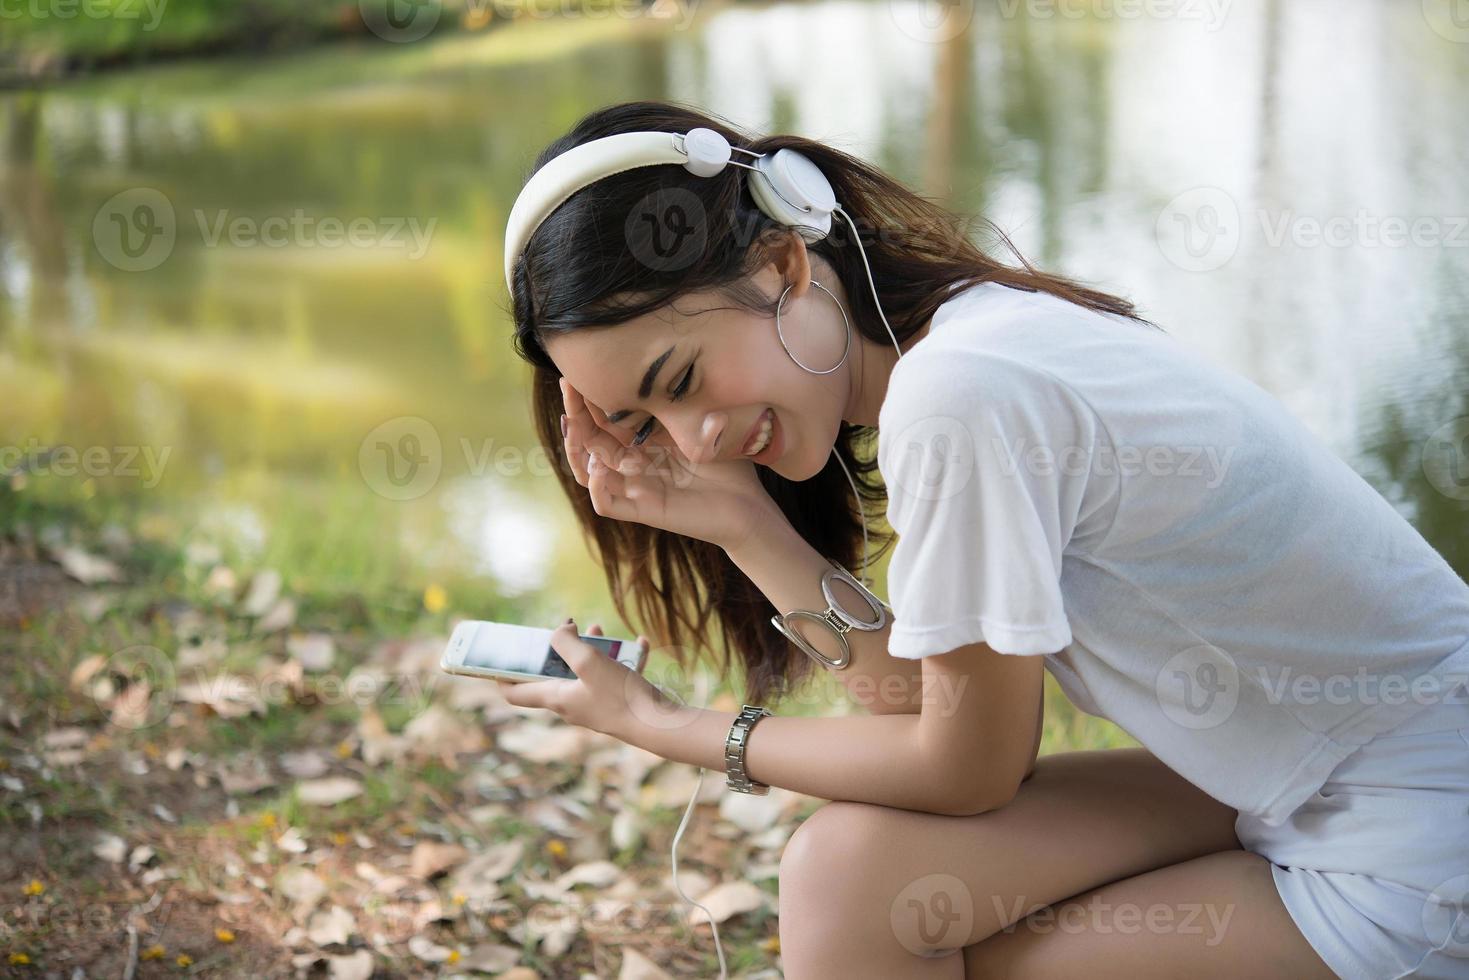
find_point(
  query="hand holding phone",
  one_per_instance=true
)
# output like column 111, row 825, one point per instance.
column 592, row 681
column 509, row 652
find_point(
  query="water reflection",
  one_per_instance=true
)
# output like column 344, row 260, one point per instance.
column 265, row 362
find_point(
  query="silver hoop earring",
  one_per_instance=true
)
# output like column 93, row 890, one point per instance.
column 845, row 321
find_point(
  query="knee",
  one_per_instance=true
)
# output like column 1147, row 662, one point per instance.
column 845, row 879
column 828, row 851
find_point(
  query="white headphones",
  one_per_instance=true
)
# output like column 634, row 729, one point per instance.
column 786, row 186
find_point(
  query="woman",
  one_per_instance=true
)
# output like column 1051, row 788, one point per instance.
column 1071, row 490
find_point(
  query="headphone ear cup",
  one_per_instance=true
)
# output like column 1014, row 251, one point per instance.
column 792, row 190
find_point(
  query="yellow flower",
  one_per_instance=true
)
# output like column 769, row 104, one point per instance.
column 224, row 935
column 435, row 598
column 19, row 959
column 556, row 847
column 184, row 959
column 339, row 838
column 453, row 956
column 344, row 749
column 151, row 750
column 459, row 899
column 771, row 945
column 267, row 820
column 34, row 887
column 154, row 952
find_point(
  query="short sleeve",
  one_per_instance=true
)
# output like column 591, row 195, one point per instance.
column 986, row 461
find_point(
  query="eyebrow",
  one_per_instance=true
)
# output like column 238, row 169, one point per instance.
column 646, row 387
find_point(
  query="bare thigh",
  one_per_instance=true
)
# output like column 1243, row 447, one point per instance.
column 1216, row 917
column 878, row 891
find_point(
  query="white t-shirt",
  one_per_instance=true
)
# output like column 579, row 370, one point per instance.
column 1194, row 564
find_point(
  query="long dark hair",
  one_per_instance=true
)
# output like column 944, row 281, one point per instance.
column 578, row 272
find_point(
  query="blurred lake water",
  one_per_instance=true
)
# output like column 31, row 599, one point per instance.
column 280, row 278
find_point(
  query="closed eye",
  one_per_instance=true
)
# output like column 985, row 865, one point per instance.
column 678, row 392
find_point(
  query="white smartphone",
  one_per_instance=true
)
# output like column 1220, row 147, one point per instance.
column 479, row 648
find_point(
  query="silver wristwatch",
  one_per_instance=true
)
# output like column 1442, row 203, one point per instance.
column 734, row 751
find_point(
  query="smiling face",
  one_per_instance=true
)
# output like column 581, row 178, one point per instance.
column 713, row 368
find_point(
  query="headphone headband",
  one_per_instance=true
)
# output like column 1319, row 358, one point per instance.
column 786, row 185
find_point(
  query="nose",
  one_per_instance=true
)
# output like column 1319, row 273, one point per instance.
column 698, row 435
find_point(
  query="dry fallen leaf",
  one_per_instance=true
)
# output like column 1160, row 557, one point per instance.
column 328, row 790
column 353, row 966
column 728, row 899
column 264, row 588
column 315, row 651
column 432, row 858
column 598, row 874
column 110, row 847
column 303, row 888
column 478, row 877
column 636, row 966
column 335, row 925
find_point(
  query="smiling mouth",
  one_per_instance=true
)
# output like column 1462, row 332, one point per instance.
column 760, row 435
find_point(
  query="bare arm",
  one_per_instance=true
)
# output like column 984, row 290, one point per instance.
column 942, row 739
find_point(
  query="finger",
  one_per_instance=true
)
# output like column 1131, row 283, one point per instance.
column 573, row 649
column 608, row 489
column 595, row 629
column 536, row 694
column 621, row 433
column 584, row 439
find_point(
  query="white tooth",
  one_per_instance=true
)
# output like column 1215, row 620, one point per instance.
column 762, row 439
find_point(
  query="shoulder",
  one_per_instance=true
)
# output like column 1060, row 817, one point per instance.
column 981, row 386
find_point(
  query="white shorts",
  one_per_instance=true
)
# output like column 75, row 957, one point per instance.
column 1374, row 868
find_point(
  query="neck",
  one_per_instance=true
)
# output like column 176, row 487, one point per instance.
column 873, row 367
